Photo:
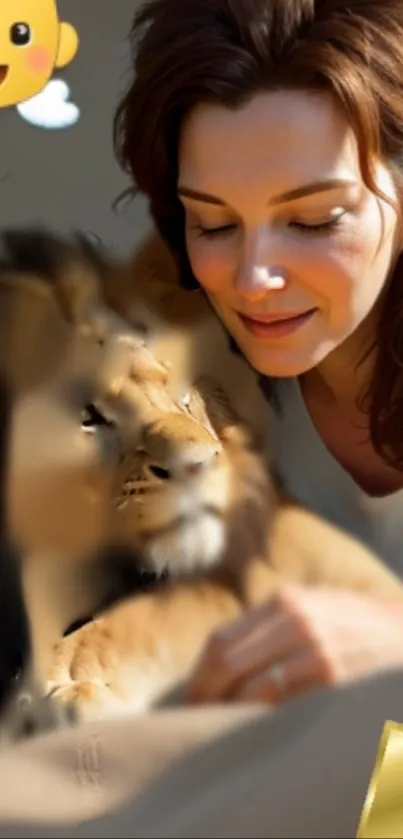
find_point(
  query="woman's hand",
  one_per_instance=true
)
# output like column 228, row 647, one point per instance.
column 300, row 639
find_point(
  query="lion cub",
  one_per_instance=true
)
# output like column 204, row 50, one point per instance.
column 198, row 498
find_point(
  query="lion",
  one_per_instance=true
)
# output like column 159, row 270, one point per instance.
column 87, row 396
column 199, row 502
column 67, row 361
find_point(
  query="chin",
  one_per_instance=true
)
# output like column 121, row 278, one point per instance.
column 282, row 364
column 297, row 355
column 196, row 544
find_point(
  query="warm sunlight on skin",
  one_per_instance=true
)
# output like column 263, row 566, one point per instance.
column 263, row 248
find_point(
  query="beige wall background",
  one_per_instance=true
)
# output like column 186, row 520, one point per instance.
column 69, row 177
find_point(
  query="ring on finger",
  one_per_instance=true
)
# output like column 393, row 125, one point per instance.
column 278, row 676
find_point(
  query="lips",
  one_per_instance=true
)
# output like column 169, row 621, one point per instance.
column 267, row 327
column 280, row 318
column 3, row 72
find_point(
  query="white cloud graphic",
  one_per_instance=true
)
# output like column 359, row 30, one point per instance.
column 51, row 108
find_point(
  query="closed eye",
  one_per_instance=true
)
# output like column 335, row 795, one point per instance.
column 216, row 231
column 227, row 229
column 321, row 227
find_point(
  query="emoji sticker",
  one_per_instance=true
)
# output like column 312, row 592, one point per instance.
column 33, row 42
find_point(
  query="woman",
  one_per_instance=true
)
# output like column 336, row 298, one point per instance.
column 268, row 137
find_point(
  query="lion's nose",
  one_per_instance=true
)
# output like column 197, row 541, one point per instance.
column 189, row 461
column 177, row 447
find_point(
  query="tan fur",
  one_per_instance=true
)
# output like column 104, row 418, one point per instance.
column 63, row 349
column 216, row 519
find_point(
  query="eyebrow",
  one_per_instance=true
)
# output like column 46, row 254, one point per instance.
column 290, row 195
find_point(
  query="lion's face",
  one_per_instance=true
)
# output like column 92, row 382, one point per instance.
column 105, row 450
column 67, row 357
column 175, row 488
column 102, row 452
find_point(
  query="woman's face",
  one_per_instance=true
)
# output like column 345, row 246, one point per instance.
column 291, row 247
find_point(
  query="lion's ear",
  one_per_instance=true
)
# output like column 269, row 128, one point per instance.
column 71, row 269
column 79, row 292
column 81, row 283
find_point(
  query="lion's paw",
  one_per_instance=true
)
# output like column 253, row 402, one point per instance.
column 84, row 673
column 91, row 700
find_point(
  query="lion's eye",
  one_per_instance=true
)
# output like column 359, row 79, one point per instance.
column 92, row 418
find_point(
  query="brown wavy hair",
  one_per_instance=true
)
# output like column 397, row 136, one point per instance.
column 225, row 51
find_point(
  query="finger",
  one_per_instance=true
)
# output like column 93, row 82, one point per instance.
column 265, row 635
column 277, row 637
column 218, row 668
column 300, row 673
column 224, row 666
column 252, row 620
column 286, row 599
column 212, row 677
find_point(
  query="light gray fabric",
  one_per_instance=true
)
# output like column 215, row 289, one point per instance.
column 219, row 772
column 313, row 476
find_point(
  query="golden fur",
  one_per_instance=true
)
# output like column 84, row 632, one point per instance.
column 69, row 360
column 196, row 497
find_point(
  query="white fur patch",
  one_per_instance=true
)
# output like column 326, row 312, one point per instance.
column 197, row 543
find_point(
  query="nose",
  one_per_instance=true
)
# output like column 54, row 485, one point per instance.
column 190, row 461
column 255, row 282
column 259, row 273
column 182, row 451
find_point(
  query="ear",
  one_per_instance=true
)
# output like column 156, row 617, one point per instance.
column 68, row 44
column 79, row 291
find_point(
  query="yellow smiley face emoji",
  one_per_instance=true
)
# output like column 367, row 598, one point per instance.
column 32, row 43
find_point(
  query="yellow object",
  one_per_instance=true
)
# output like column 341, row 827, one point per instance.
column 33, row 42
column 382, row 814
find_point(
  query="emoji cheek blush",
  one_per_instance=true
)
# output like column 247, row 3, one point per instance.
column 39, row 60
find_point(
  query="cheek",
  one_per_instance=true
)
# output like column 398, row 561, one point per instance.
column 367, row 256
column 212, row 264
column 335, row 272
column 38, row 60
column 363, row 266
